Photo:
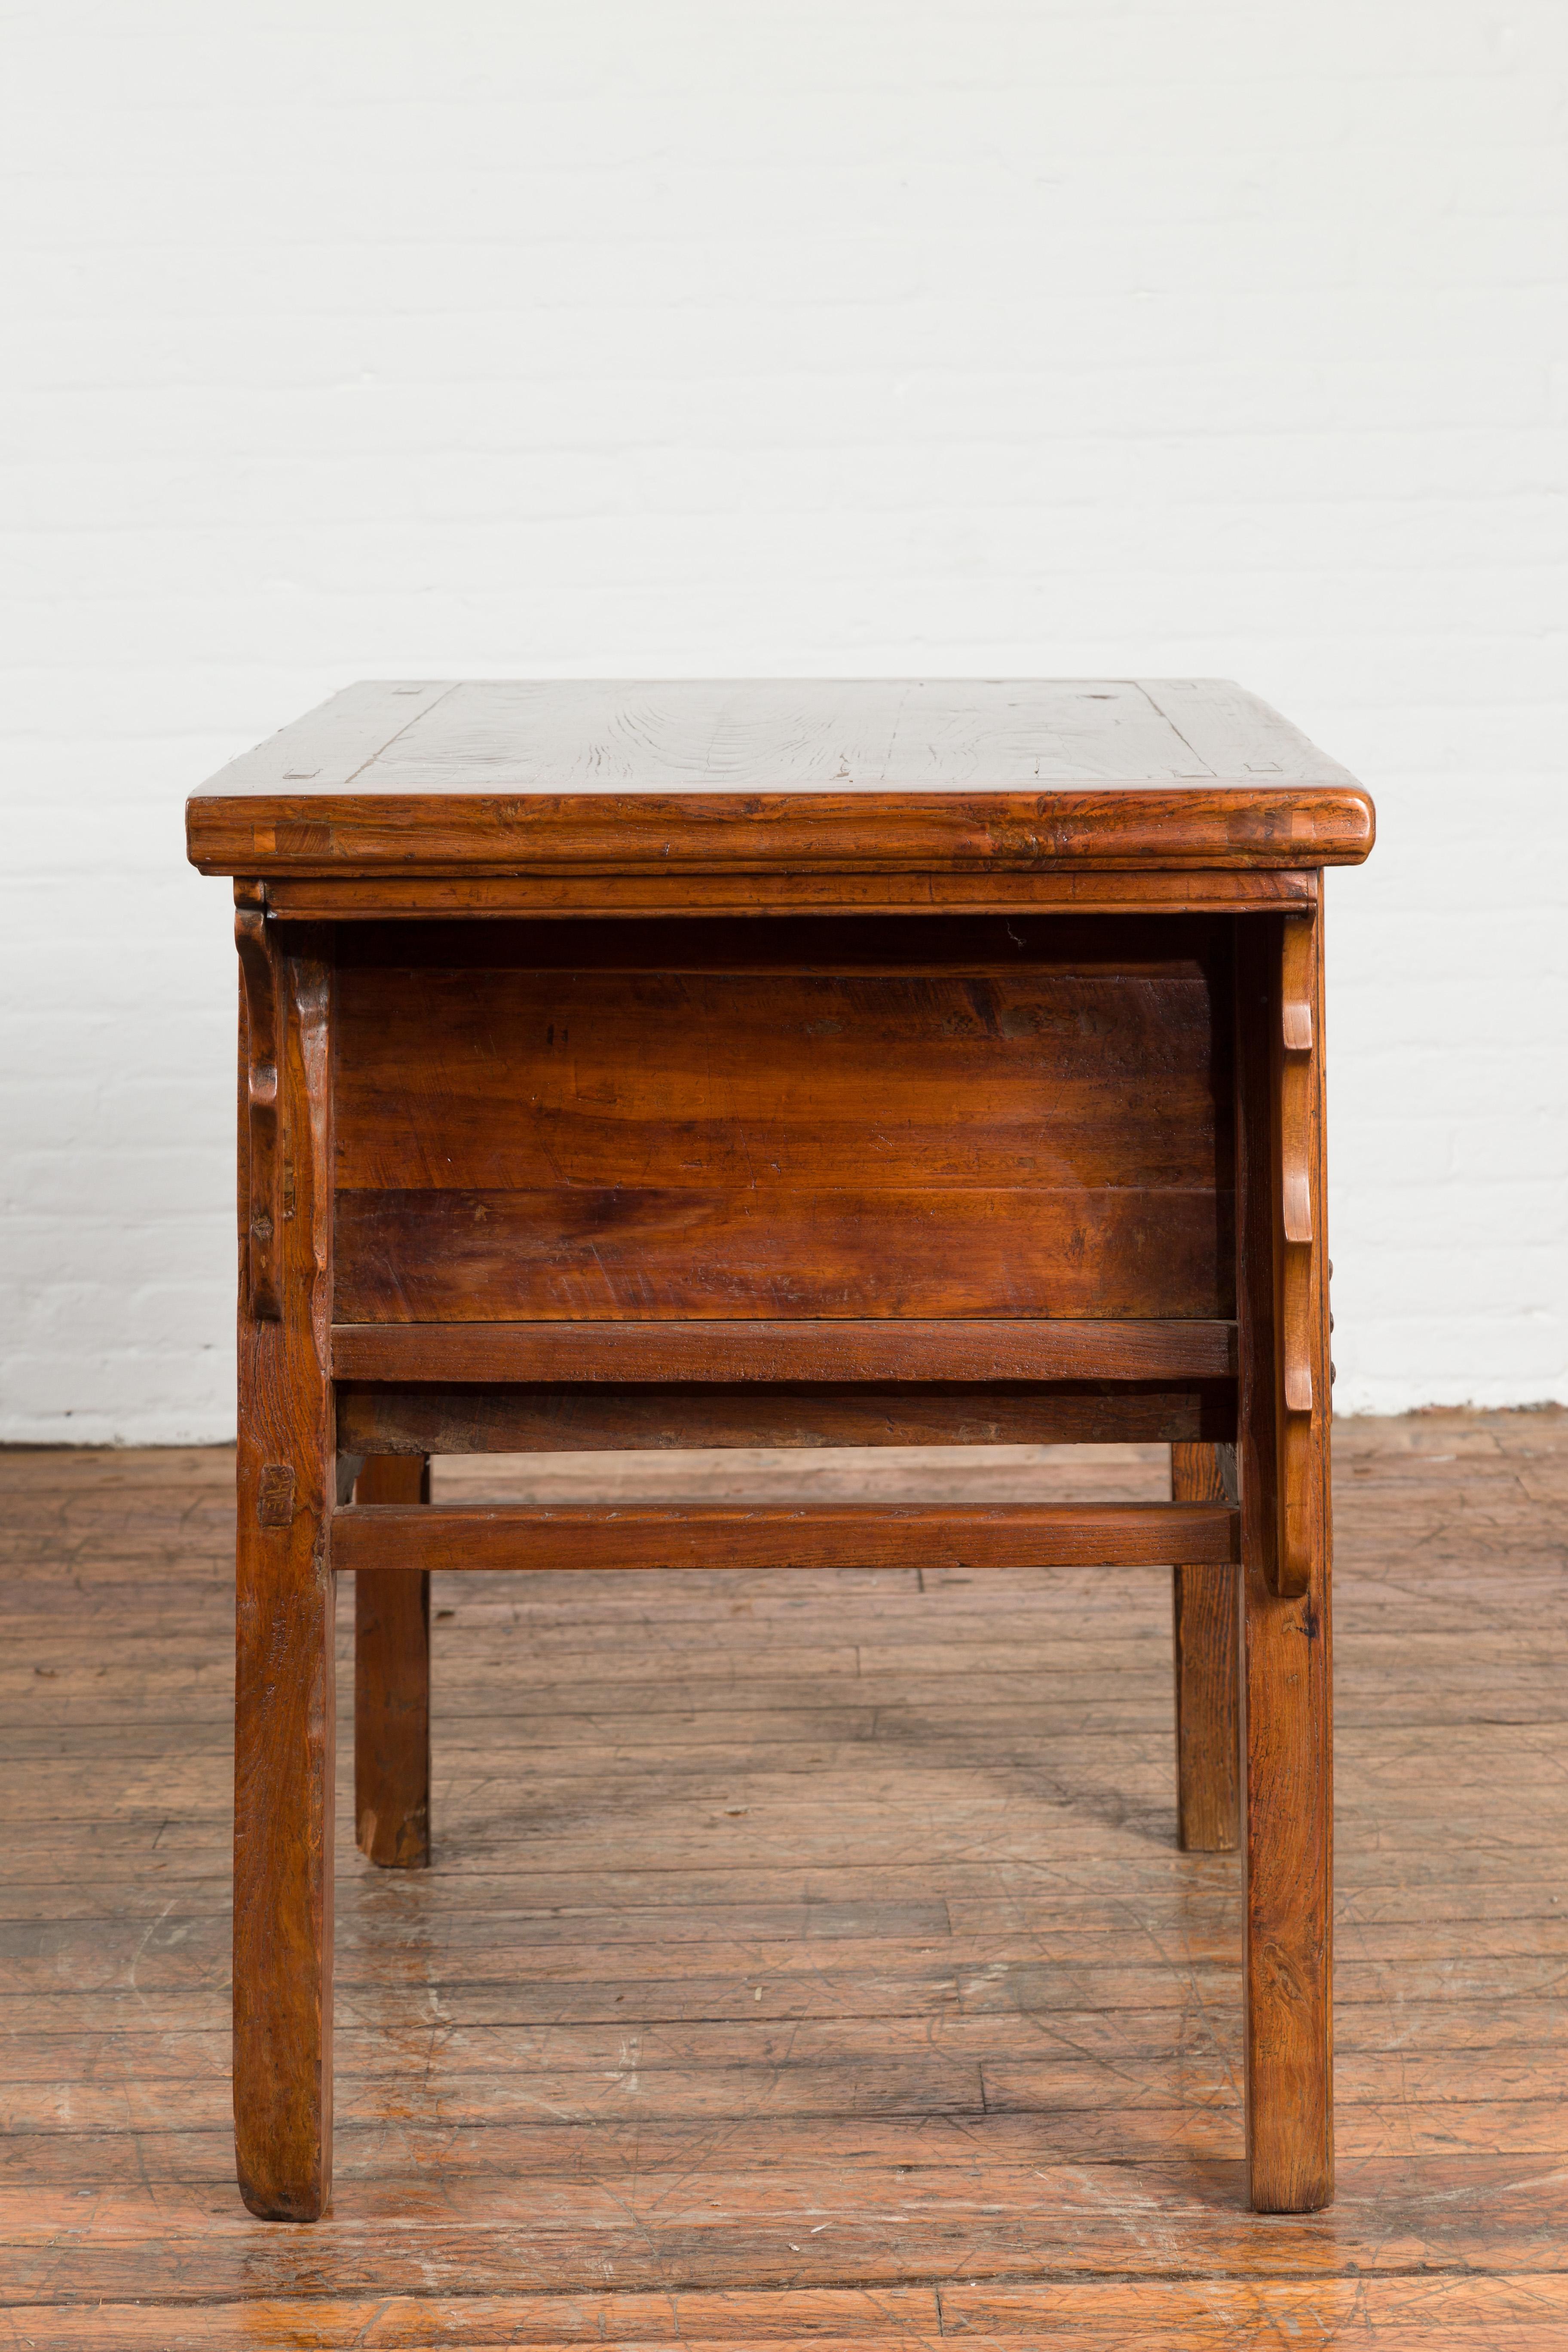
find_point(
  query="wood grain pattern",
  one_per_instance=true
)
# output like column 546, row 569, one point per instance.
column 962, row 1128
column 726, row 1351
column 582, row 1253
column 843, row 774
column 523, row 1136
column 478, row 1079
column 1110, row 830
column 634, row 1843
column 560, row 736
column 361, row 897
column 1204, row 1614
column 391, row 1684
column 1287, row 1751
column 1517, row 2313
column 607, row 1535
column 284, row 1707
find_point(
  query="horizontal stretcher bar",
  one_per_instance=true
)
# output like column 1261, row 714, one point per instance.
column 604, row 1417
column 834, row 1535
column 743, row 1351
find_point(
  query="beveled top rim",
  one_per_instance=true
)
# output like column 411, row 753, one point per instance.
column 440, row 775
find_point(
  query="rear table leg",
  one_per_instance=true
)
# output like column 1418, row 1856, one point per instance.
column 1208, row 1807
column 391, row 1684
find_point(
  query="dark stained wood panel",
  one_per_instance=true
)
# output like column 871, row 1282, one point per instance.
column 1153, row 944
column 1029, row 774
column 473, row 1080
column 633, row 1251
column 743, row 1348
column 552, row 1126
column 595, row 1419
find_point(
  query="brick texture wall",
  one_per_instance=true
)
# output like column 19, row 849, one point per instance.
column 1061, row 336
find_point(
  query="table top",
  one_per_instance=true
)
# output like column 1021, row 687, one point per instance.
column 492, row 776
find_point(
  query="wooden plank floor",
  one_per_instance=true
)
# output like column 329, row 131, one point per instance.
column 806, row 1959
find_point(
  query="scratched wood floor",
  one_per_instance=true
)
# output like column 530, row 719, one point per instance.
column 807, row 1958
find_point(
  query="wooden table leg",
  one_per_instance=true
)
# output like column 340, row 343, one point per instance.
column 284, row 1696
column 1289, row 2112
column 1208, row 1797
column 391, row 1684
column 1285, row 1683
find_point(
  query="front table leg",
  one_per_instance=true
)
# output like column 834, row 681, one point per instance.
column 1284, row 1682
column 391, row 1684
column 284, row 1694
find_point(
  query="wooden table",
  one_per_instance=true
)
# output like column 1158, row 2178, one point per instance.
column 777, row 1064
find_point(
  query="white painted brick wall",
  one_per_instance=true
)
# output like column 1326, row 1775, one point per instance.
column 883, row 335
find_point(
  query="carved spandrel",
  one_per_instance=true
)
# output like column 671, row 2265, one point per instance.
column 258, row 979
column 1298, row 1079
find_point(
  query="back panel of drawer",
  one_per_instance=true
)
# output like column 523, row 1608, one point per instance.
column 893, row 1116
